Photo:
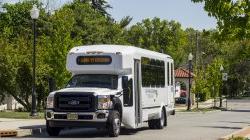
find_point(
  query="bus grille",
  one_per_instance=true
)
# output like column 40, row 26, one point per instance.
column 74, row 102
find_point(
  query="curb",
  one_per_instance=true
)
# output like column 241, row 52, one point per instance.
column 30, row 132
column 244, row 132
column 200, row 112
column 8, row 133
column 22, row 132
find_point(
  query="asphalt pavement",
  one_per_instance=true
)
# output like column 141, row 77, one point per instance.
column 183, row 126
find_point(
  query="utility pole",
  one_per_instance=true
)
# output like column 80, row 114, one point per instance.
column 190, row 57
column 197, row 66
column 197, row 54
column 34, row 13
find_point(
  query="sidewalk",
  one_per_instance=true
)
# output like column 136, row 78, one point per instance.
column 244, row 132
column 207, row 104
column 23, row 127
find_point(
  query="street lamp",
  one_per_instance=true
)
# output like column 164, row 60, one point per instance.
column 221, row 68
column 34, row 13
column 190, row 58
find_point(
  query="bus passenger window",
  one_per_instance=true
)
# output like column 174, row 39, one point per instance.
column 153, row 72
column 168, row 74
column 172, row 75
column 128, row 94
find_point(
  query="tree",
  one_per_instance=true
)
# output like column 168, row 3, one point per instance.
column 16, row 50
column 232, row 16
column 125, row 21
column 238, row 65
column 14, row 81
column 159, row 35
column 5, row 75
column 24, row 83
column 99, row 5
column 84, row 22
column 74, row 24
column 201, row 88
column 214, row 80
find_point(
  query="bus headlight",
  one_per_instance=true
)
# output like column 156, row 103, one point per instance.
column 104, row 102
column 50, row 101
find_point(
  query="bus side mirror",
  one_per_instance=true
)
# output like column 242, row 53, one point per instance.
column 124, row 83
column 127, row 91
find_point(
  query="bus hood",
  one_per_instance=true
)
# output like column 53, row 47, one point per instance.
column 95, row 91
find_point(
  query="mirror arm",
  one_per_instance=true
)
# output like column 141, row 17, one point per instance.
column 120, row 93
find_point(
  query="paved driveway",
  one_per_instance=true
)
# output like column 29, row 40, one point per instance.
column 182, row 126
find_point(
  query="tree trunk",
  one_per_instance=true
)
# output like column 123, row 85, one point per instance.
column 26, row 106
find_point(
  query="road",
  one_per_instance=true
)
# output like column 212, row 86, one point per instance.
column 182, row 126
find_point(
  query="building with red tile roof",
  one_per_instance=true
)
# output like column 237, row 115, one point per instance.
column 182, row 76
column 182, row 73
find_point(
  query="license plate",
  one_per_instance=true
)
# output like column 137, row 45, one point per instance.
column 72, row 116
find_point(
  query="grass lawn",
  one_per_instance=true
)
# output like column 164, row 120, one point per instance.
column 238, row 138
column 20, row 115
column 204, row 109
column 201, row 110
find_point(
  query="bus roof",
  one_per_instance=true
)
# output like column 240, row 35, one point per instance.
column 128, row 50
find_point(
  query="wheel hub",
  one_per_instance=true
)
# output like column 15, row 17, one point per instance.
column 162, row 118
column 117, row 125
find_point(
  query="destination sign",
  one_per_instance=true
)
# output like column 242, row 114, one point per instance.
column 93, row 60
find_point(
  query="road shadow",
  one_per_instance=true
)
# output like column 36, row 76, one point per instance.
column 222, row 127
column 238, row 110
column 125, row 131
column 236, row 122
column 33, row 127
column 80, row 132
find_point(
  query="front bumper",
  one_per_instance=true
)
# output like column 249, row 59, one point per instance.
column 97, row 116
column 83, row 124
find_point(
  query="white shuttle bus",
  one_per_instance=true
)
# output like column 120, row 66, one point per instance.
column 113, row 85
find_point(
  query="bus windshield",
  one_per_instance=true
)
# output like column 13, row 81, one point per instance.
column 94, row 80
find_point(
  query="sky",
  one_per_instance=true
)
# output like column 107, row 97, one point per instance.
column 187, row 13
column 184, row 11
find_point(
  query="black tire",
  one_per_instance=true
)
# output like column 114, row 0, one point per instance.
column 166, row 120
column 151, row 124
column 159, row 123
column 173, row 113
column 114, row 124
column 52, row 131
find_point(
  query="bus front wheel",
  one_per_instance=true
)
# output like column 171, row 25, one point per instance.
column 52, row 131
column 114, row 124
